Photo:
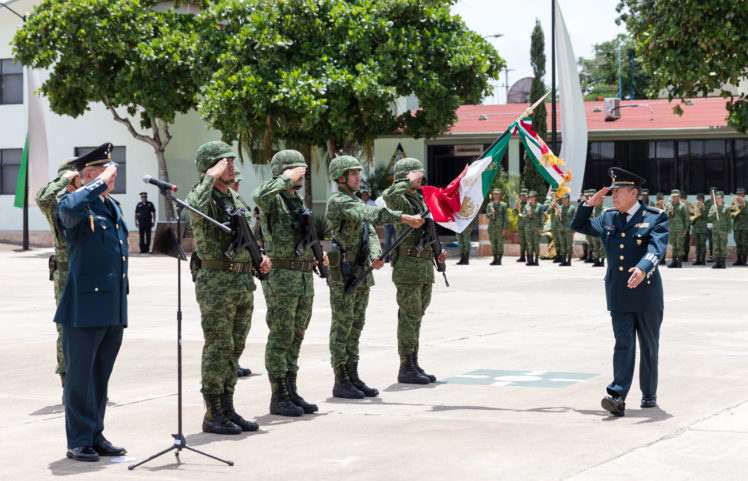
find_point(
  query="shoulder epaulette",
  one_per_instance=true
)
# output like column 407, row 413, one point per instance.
column 611, row 209
column 654, row 210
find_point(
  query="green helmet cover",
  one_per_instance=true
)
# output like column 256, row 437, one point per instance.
column 284, row 160
column 340, row 165
column 210, row 153
column 406, row 166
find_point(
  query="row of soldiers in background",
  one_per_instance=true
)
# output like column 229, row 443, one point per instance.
column 223, row 273
column 708, row 223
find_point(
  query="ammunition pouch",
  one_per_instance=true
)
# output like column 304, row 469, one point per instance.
column 194, row 265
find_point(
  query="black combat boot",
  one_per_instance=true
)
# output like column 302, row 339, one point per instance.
column 557, row 259
column 521, row 256
column 343, row 386
column 242, row 371
column 227, row 402
column 431, row 377
column 738, row 260
column 352, row 369
column 308, row 408
column 529, row 260
column 467, row 258
column 463, row 260
column 590, row 258
column 495, row 261
column 673, row 263
column 215, row 421
column 535, row 262
column 280, row 401
column 409, row 373
column 499, row 258
column 684, row 258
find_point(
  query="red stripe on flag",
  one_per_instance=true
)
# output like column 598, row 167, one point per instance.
column 444, row 203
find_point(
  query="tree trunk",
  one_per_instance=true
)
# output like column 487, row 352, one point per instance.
column 163, row 174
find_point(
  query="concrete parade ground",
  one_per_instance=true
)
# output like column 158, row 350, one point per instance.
column 522, row 354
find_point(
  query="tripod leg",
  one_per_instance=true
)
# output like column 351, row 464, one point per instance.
column 133, row 466
column 230, row 463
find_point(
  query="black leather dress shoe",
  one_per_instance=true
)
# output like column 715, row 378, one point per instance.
column 105, row 448
column 83, row 453
column 242, row 371
column 614, row 404
column 649, row 402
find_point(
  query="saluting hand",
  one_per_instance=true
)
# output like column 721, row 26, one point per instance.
column 599, row 197
column 296, row 174
column 109, row 175
column 415, row 177
column 265, row 265
column 218, row 169
column 636, row 277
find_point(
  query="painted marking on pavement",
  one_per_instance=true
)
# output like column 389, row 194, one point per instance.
column 490, row 377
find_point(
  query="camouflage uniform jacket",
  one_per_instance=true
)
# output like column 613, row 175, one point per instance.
column 699, row 224
column 534, row 217
column 346, row 216
column 567, row 214
column 521, row 214
column 678, row 219
column 281, row 238
column 408, row 269
column 210, row 241
column 740, row 221
column 553, row 208
column 724, row 224
column 499, row 218
column 47, row 199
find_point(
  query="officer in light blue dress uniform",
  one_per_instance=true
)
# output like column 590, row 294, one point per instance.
column 635, row 237
column 93, row 305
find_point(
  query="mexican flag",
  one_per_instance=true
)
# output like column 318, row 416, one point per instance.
column 455, row 206
column 549, row 166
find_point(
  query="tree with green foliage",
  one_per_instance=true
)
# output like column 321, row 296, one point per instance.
column 532, row 178
column 693, row 48
column 121, row 53
column 328, row 73
column 599, row 75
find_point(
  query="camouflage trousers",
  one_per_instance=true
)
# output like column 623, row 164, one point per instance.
column 699, row 242
column 226, row 303
column 522, row 239
column 564, row 242
column 741, row 241
column 412, row 301
column 720, row 243
column 463, row 239
column 58, row 277
column 676, row 243
column 348, row 319
column 497, row 240
column 710, row 240
column 596, row 246
column 532, row 238
column 287, row 319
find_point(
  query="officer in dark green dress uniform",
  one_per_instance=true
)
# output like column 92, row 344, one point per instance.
column 635, row 238
column 93, row 306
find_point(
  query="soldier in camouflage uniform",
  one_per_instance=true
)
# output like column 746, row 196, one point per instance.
column 238, row 177
column 740, row 227
column 598, row 249
column 498, row 221
column 47, row 199
column 565, row 241
column 224, row 287
column 588, row 246
column 721, row 221
column 412, row 270
column 698, row 225
column 553, row 209
column 355, row 247
column 709, row 240
column 463, row 241
column 645, row 198
column 289, row 308
column 677, row 216
column 687, row 235
column 520, row 210
column 534, row 220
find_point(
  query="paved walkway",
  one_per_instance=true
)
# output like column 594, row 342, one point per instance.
column 524, row 354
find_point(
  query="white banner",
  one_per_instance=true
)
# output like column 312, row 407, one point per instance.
column 38, row 158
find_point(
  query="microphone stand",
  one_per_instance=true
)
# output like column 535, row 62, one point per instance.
column 179, row 441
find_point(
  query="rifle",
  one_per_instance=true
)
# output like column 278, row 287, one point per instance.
column 431, row 238
column 305, row 222
column 244, row 239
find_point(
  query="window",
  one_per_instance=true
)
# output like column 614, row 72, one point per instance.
column 119, row 156
column 600, row 157
column 11, row 82
column 10, row 165
column 741, row 163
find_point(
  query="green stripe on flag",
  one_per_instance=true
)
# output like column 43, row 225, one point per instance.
column 497, row 155
column 540, row 168
column 22, row 171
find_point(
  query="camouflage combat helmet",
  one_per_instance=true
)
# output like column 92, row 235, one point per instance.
column 284, row 160
column 406, row 166
column 340, row 165
column 65, row 166
column 210, row 153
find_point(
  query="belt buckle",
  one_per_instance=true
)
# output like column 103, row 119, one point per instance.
column 234, row 267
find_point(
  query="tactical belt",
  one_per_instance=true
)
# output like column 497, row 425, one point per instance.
column 413, row 252
column 292, row 264
column 238, row 267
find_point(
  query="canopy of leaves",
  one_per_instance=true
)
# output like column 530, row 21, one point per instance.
column 116, row 51
column 599, row 75
column 327, row 72
column 692, row 48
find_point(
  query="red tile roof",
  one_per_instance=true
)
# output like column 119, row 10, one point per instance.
column 703, row 113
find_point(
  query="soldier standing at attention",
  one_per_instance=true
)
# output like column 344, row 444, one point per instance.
column 645, row 198
column 598, row 248
column 635, row 238
column 355, row 247
column 412, row 270
column 698, row 224
column 289, row 308
column 589, row 248
column 47, row 199
column 565, row 242
column 709, row 239
column 145, row 217
column 93, row 305
column 520, row 210
column 498, row 220
column 677, row 216
column 721, row 222
column 463, row 241
column 224, row 287
column 534, row 220
column 687, row 235
column 740, row 227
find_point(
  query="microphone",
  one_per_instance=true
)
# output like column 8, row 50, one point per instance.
column 160, row 183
